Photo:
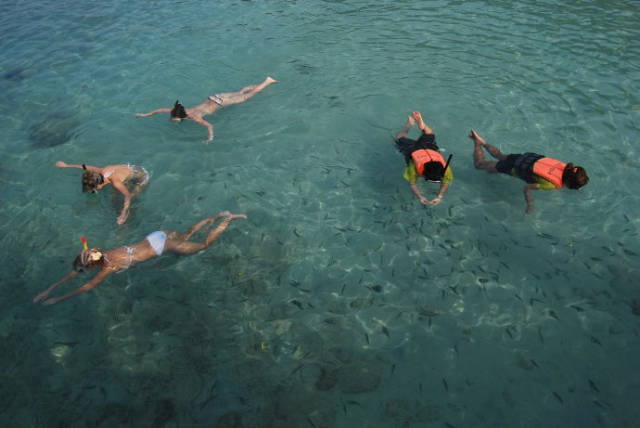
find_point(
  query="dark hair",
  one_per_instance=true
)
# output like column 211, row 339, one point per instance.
column 91, row 180
column 178, row 111
column 82, row 261
column 574, row 177
column 433, row 171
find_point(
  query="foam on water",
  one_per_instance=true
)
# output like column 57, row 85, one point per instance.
column 341, row 301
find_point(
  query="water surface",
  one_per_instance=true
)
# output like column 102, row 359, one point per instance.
column 341, row 302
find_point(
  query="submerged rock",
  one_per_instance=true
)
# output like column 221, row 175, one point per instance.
column 342, row 354
column 230, row 420
column 56, row 129
column 361, row 302
column 327, row 379
column 357, row 378
column 165, row 410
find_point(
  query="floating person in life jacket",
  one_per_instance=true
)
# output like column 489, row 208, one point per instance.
column 214, row 102
column 540, row 172
column 423, row 159
column 122, row 258
column 126, row 179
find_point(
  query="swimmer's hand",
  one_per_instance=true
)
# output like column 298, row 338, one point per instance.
column 529, row 209
column 235, row 216
column 61, row 164
column 437, row 200
column 122, row 218
column 41, row 296
column 424, row 201
column 51, row 301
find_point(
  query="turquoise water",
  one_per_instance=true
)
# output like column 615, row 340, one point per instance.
column 341, row 301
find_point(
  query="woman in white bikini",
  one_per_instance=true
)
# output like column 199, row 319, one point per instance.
column 214, row 102
column 122, row 258
column 120, row 176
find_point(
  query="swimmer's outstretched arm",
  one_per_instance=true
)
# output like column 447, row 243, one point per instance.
column 90, row 168
column 124, row 213
column 151, row 113
column 527, row 196
column 206, row 125
column 46, row 292
column 416, row 191
column 441, row 191
column 101, row 276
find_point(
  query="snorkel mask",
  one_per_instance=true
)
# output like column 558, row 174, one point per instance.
column 91, row 180
column 88, row 258
column 93, row 255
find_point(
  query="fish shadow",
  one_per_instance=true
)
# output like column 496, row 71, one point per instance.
column 17, row 74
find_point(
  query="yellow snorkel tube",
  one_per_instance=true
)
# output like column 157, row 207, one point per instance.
column 93, row 255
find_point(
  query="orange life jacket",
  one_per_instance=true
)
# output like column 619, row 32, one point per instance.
column 550, row 169
column 423, row 156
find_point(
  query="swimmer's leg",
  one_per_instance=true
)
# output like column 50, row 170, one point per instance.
column 405, row 129
column 479, row 160
column 141, row 176
column 196, row 227
column 229, row 98
column 183, row 246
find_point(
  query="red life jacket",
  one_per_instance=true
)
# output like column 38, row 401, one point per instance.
column 550, row 169
column 423, row 156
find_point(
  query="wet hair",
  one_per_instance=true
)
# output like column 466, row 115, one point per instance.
column 178, row 111
column 433, row 171
column 574, row 177
column 83, row 261
column 90, row 180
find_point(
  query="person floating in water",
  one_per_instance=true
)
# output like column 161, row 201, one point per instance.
column 120, row 176
column 540, row 172
column 214, row 102
column 423, row 159
column 122, row 258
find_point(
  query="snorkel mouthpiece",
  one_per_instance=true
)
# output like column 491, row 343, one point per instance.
column 85, row 246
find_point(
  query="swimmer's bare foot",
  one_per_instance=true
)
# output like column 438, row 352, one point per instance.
column 235, row 216
column 223, row 214
column 477, row 138
column 269, row 80
column 423, row 126
column 41, row 296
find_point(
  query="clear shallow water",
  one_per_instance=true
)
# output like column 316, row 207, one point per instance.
column 341, row 302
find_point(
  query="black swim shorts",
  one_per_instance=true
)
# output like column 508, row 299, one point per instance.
column 406, row 146
column 506, row 166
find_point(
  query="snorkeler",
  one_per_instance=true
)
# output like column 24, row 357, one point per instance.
column 214, row 102
column 122, row 258
column 423, row 159
column 540, row 172
column 120, row 176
